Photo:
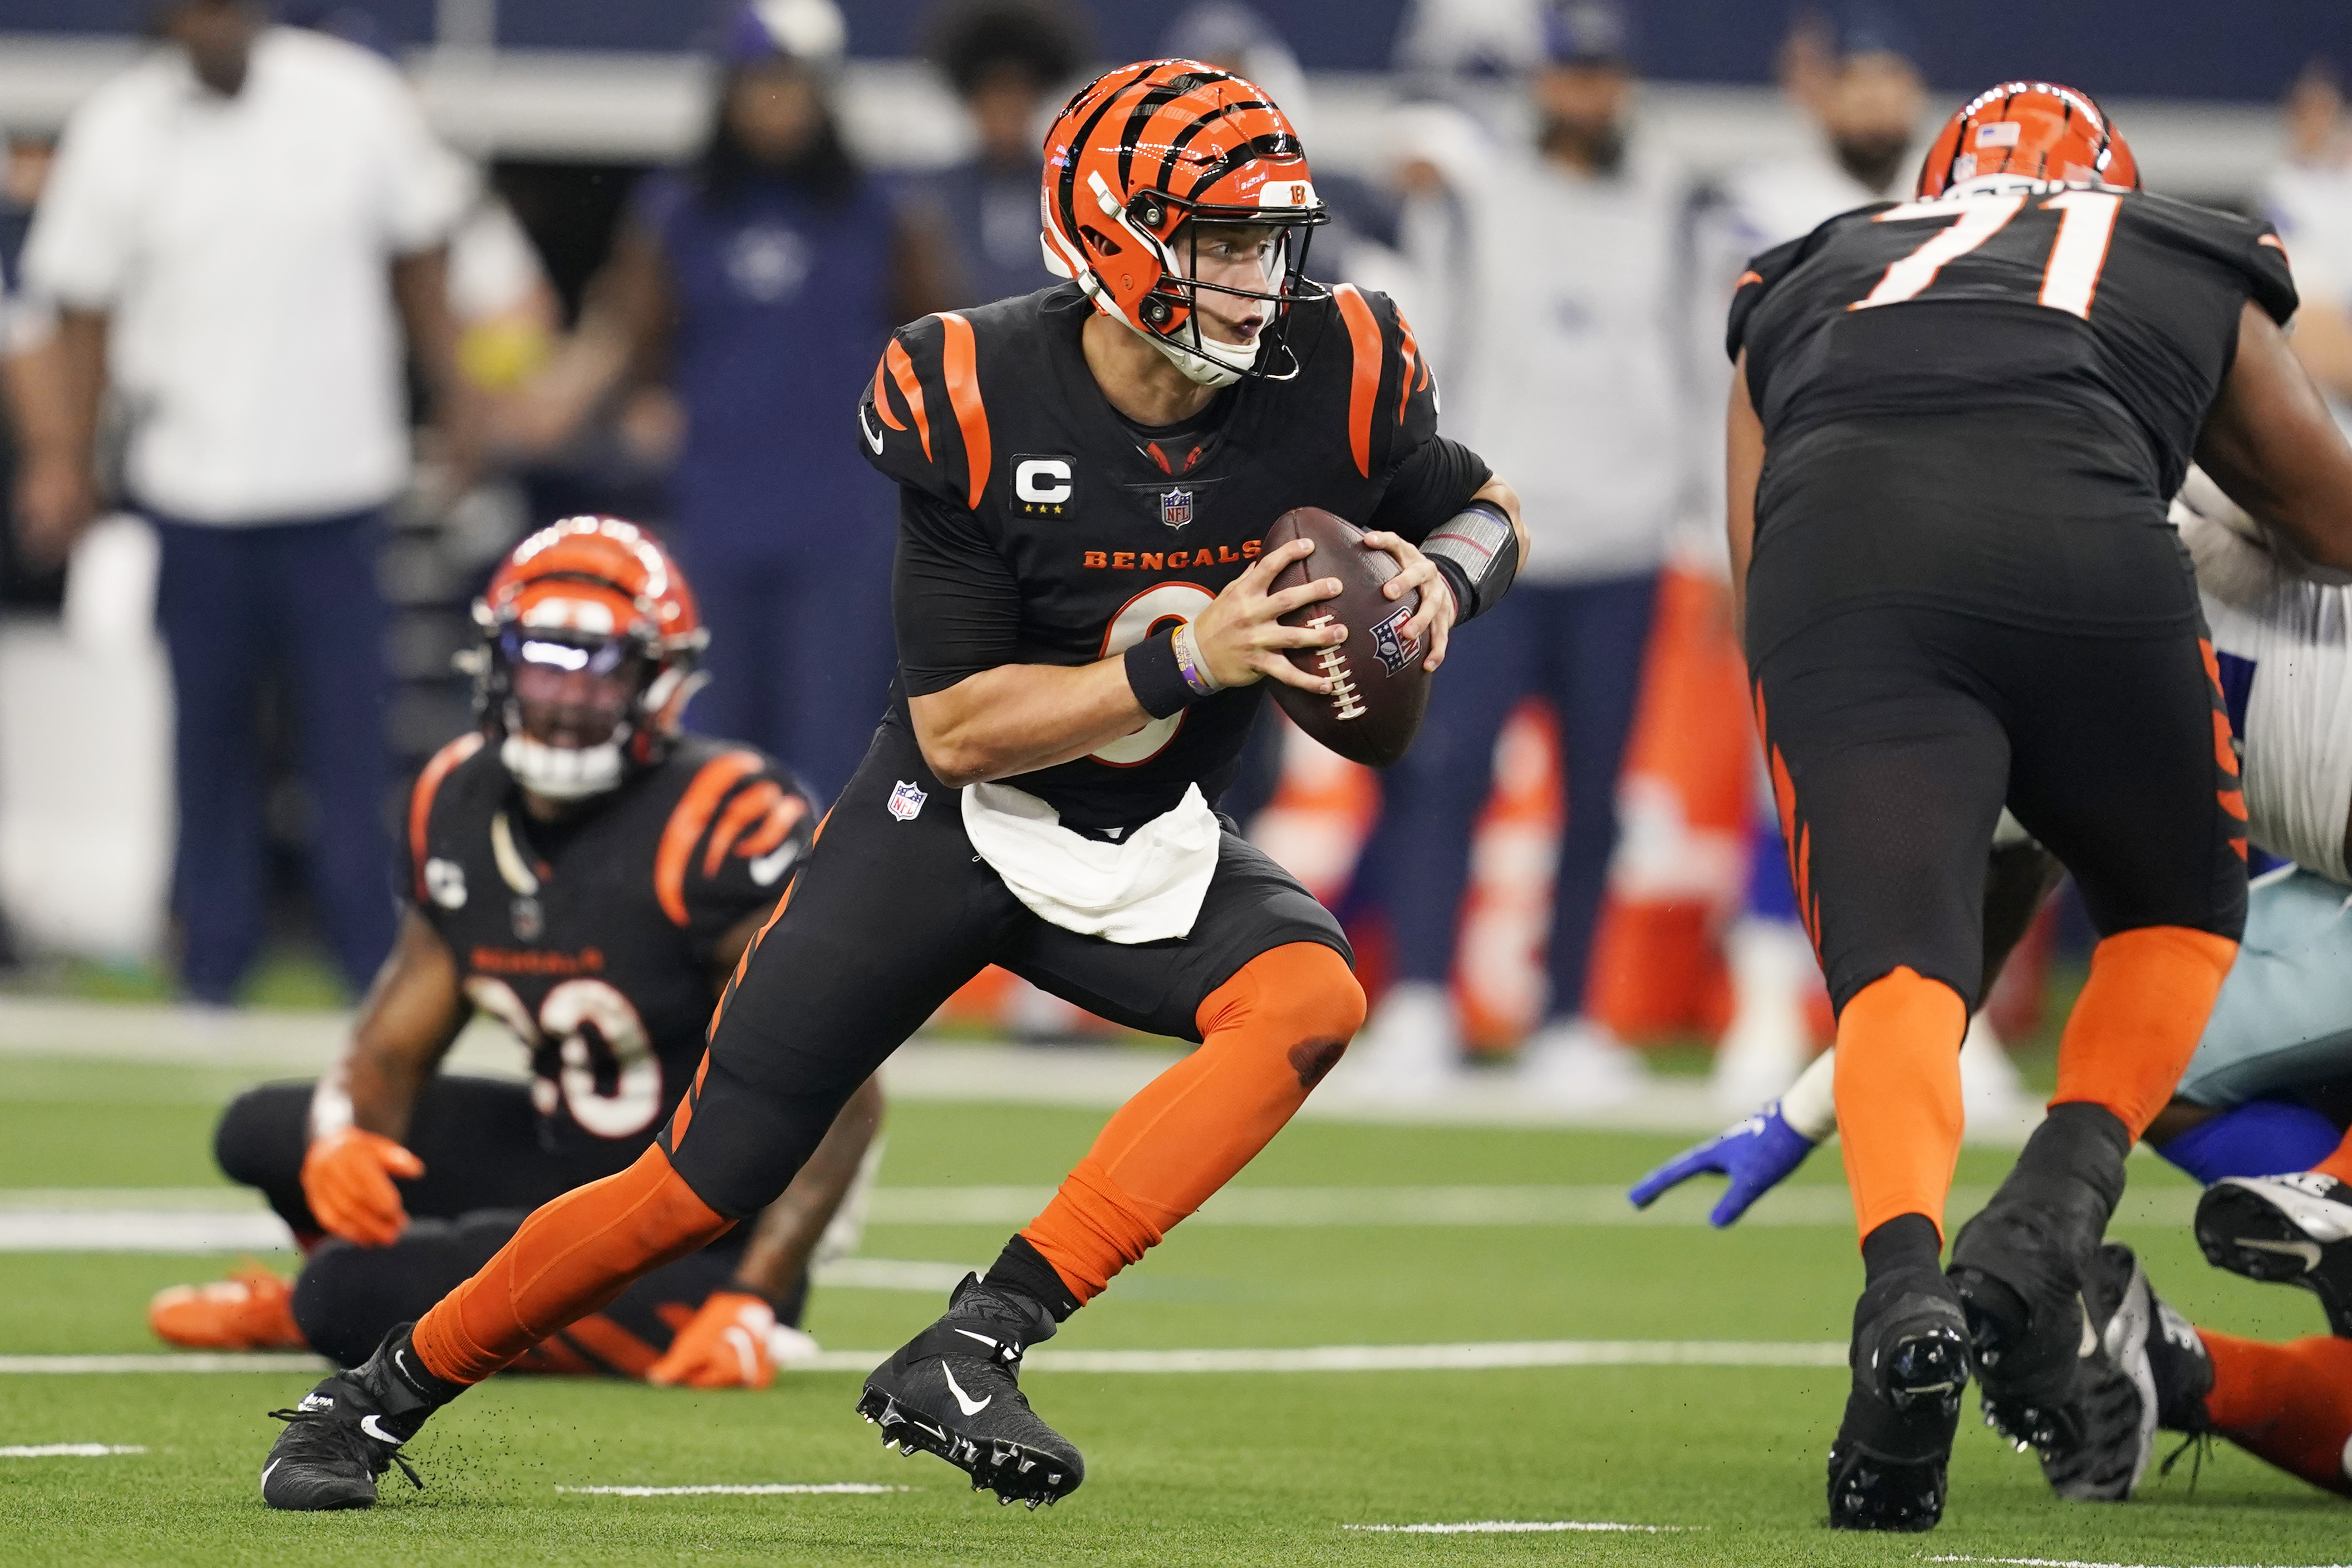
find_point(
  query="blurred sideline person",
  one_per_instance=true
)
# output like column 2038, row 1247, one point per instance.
column 2309, row 199
column 1004, row 59
column 2243, row 1121
column 1565, row 373
column 227, row 235
column 761, row 277
column 583, row 873
column 1031, row 799
column 1931, row 637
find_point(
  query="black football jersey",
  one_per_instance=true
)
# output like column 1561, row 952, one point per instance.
column 1037, row 527
column 1985, row 401
column 593, row 938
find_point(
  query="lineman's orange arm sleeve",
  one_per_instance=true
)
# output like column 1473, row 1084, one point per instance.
column 726, row 1346
column 347, row 1179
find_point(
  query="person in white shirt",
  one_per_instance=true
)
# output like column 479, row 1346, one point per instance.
column 235, row 230
column 2308, row 199
column 1561, row 358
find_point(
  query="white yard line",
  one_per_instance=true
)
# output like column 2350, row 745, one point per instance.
column 2080, row 1562
column 68, row 1450
column 1477, row 1356
column 776, row 1488
column 1521, row 1527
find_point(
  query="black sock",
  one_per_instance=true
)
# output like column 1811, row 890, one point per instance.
column 1904, row 1244
column 2074, row 1159
column 1020, row 1266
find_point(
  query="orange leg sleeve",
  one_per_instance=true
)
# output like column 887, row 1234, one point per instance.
column 1898, row 1096
column 2138, row 1021
column 2290, row 1404
column 2340, row 1164
column 571, row 1257
column 1267, row 1036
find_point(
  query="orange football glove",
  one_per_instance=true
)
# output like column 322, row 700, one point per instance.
column 726, row 1346
column 347, row 1177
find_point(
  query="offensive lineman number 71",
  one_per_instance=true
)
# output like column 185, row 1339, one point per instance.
column 2069, row 279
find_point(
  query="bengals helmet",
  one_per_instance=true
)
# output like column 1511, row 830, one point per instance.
column 2034, row 128
column 1135, row 164
column 590, row 642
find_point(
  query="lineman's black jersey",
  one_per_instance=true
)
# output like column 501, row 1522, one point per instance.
column 593, row 938
column 1987, row 401
column 1037, row 527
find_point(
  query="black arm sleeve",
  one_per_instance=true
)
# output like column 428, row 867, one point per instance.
column 952, row 595
column 1433, row 482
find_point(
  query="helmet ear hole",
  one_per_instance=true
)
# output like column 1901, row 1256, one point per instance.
column 1101, row 243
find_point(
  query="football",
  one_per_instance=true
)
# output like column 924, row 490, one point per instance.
column 1380, row 690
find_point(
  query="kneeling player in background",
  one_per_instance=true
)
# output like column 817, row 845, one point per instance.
column 2278, row 1204
column 1959, row 591
column 588, row 876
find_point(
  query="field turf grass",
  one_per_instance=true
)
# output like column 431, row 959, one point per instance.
column 1181, row 1468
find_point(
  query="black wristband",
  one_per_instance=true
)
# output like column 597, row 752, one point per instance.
column 1157, row 679
column 1459, row 582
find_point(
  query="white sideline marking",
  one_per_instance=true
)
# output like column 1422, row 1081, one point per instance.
column 68, row 1450
column 2077, row 1563
column 773, row 1488
column 1477, row 1356
column 265, row 1361
column 1518, row 1526
column 890, row 1274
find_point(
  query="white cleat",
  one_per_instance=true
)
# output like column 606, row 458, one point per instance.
column 1579, row 1063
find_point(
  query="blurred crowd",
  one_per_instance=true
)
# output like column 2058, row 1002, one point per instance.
column 252, row 301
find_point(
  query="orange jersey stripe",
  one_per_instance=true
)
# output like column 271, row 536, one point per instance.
column 960, row 360
column 778, row 825
column 420, row 800
column 902, row 370
column 687, row 821
column 881, row 397
column 1364, row 337
column 1745, row 278
column 746, row 808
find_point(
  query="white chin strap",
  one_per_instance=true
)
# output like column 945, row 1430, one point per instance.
column 562, row 772
column 1212, row 364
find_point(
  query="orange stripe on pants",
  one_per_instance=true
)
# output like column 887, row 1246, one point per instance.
column 2138, row 1021
column 1267, row 1036
column 1898, row 1096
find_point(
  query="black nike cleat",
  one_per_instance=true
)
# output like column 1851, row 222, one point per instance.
column 2119, row 1414
column 1910, row 1361
column 2288, row 1229
column 2049, row 1383
column 348, row 1429
column 953, row 1391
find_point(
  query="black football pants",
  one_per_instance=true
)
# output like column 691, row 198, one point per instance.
column 1895, row 734
column 892, row 912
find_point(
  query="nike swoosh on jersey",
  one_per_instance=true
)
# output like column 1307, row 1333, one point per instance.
column 768, row 867
column 873, row 436
column 970, row 1405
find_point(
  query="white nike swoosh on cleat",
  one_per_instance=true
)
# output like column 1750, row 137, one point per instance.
column 981, row 1337
column 367, row 1424
column 265, row 1472
column 2306, row 1250
column 970, row 1405
column 2090, row 1345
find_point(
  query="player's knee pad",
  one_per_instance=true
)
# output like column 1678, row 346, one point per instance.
column 262, row 1135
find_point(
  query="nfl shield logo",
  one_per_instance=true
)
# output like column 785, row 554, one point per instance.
column 906, row 802
column 1175, row 507
column 1390, row 642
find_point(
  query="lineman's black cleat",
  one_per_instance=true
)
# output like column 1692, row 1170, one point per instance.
column 2119, row 1411
column 2293, row 1229
column 348, row 1430
column 1910, row 1360
column 953, row 1391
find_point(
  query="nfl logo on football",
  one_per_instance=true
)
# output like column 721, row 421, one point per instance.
column 1175, row 507
column 906, row 802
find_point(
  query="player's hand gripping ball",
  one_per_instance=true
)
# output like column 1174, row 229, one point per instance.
column 347, row 1180
column 1380, row 676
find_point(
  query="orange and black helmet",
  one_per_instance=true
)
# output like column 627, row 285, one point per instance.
column 2035, row 129
column 595, row 597
column 1148, row 149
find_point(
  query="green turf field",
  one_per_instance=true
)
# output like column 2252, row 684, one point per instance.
column 1206, row 1469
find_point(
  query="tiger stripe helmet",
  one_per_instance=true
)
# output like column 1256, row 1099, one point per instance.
column 1138, row 154
column 591, row 583
column 2035, row 129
